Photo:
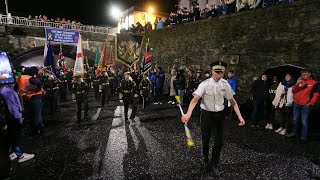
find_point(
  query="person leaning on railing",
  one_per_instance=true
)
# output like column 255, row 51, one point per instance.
column 44, row 22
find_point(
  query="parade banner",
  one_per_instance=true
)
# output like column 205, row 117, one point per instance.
column 49, row 58
column 62, row 35
column 128, row 49
column 147, row 64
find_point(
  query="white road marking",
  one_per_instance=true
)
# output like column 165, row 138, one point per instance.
column 96, row 115
column 116, row 149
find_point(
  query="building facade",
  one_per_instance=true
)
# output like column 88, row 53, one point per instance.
column 135, row 14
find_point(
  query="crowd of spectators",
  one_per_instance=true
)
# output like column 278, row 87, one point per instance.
column 64, row 23
column 44, row 18
column 44, row 21
column 184, row 15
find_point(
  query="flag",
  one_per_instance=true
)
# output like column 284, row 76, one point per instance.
column 102, row 60
column 105, row 54
column 49, row 58
column 78, row 66
column 147, row 59
column 62, row 62
column 61, row 53
column 111, row 59
column 98, row 54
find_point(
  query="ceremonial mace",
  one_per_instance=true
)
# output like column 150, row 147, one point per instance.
column 190, row 142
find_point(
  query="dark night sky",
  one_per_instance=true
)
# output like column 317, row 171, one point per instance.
column 86, row 11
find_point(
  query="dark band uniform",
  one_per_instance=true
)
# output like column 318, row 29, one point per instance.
column 128, row 93
column 145, row 91
column 51, row 97
column 96, row 84
column 113, row 82
column 104, row 88
column 69, row 79
column 80, row 90
column 213, row 94
column 63, row 86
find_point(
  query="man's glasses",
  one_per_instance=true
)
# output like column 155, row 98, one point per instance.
column 218, row 72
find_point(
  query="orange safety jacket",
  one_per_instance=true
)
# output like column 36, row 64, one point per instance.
column 26, row 89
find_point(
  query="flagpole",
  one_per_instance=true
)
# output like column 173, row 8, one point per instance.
column 147, row 45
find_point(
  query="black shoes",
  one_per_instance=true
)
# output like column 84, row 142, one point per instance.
column 208, row 167
column 215, row 172
column 255, row 126
column 85, row 119
column 205, row 168
column 35, row 132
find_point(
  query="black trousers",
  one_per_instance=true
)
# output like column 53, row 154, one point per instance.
column 271, row 110
column 70, row 85
column 63, row 92
column 51, row 101
column 258, row 111
column 212, row 123
column 145, row 98
column 4, row 155
column 106, row 92
column 96, row 91
column 82, row 100
column 189, row 94
column 14, row 132
column 127, row 101
column 287, row 117
column 113, row 87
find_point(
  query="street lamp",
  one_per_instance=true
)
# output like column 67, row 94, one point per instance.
column 151, row 10
column 149, row 14
column 115, row 12
column 7, row 9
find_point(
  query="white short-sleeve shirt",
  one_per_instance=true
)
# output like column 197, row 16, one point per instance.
column 213, row 93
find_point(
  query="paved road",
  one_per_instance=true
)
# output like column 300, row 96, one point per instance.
column 106, row 148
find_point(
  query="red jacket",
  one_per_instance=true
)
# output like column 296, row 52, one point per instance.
column 302, row 92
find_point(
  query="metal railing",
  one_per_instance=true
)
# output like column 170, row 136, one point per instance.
column 23, row 21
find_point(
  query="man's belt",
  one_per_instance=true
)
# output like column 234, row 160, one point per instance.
column 82, row 92
column 105, row 84
column 51, row 89
column 96, row 80
column 144, row 87
column 126, row 91
column 111, row 77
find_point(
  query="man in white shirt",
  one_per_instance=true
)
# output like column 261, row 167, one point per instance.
column 213, row 92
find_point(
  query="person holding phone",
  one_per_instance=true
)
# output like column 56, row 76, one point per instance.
column 306, row 93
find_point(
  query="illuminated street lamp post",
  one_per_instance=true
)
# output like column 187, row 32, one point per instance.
column 115, row 12
column 7, row 9
column 150, row 10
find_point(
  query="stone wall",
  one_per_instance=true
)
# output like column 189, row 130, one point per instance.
column 248, row 41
